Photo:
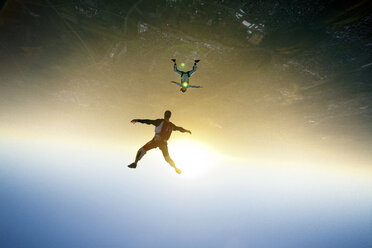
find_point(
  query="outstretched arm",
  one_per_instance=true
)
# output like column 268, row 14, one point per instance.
column 194, row 86
column 181, row 129
column 146, row 121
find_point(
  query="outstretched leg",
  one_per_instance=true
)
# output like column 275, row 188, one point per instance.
column 171, row 162
column 141, row 152
column 164, row 149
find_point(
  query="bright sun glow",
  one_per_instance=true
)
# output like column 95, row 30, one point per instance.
column 194, row 159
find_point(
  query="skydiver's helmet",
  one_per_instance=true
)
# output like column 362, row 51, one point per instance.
column 167, row 114
column 183, row 89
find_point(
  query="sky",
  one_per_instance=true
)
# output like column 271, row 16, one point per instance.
column 280, row 150
column 54, row 196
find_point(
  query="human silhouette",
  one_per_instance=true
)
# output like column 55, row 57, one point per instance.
column 163, row 130
column 185, row 77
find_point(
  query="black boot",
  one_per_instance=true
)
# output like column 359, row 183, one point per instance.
column 132, row 165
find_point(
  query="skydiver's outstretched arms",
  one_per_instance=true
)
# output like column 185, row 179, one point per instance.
column 147, row 121
column 176, row 83
column 181, row 129
column 195, row 86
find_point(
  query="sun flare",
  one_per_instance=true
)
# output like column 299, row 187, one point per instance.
column 194, row 159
